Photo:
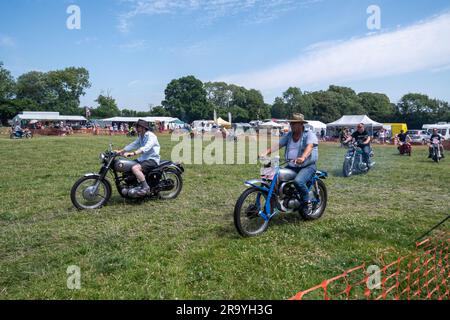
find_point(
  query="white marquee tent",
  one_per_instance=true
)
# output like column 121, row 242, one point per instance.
column 353, row 121
column 46, row 116
column 315, row 126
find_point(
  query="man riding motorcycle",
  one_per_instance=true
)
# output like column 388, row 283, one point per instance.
column 18, row 131
column 362, row 138
column 403, row 138
column 302, row 152
column 439, row 137
column 147, row 146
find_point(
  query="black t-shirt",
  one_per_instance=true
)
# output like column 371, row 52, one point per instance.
column 436, row 136
column 402, row 137
column 360, row 137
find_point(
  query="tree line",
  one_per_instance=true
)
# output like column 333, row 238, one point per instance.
column 190, row 99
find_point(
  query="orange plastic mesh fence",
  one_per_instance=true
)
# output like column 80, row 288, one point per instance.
column 422, row 275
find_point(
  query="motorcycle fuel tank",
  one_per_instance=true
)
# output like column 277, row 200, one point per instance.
column 124, row 165
column 287, row 175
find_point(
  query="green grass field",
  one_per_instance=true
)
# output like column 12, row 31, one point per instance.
column 188, row 248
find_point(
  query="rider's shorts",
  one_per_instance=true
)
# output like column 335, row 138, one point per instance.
column 148, row 165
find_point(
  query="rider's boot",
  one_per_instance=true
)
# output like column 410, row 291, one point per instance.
column 307, row 208
column 144, row 190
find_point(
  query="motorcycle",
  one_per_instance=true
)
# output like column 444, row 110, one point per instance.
column 25, row 134
column 94, row 190
column 405, row 148
column 273, row 194
column 353, row 162
column 436, row 154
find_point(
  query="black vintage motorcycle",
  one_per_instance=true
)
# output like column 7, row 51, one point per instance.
column 94, row 190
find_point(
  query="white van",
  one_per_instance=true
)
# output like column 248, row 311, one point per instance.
column 443, row 129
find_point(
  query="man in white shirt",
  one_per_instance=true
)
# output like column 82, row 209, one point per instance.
column 147, row 146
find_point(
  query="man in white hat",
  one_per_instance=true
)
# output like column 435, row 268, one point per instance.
column 302, row 152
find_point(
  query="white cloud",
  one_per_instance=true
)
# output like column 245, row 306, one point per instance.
column 134, row 45
column 86, row 40
column 6, row 41
column 258, row 11
column 423, row 46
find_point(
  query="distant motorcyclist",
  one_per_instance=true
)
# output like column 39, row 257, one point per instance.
column 362, row 138
column 440, row 138
column 18, row 131
column 403, row 138
column 147, row 146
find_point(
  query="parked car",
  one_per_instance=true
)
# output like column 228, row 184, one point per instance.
column 419, row 136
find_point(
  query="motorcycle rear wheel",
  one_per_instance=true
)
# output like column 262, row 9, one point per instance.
column 81, row 198
column 175, row 177
column 247, row 220
column 318, row 209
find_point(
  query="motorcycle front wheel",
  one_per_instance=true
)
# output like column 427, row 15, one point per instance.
column 347, row 169
column 84, row 196
column 247, row 220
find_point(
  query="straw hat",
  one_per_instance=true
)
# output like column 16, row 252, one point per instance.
column 297, row 118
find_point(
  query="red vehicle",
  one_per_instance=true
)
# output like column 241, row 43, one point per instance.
column 405, row 148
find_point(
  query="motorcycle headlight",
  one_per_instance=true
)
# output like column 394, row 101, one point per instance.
column 102, row 157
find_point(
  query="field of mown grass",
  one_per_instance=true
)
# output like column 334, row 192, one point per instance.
column 188, row 248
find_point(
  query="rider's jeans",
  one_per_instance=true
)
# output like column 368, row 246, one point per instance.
column 366, row 153
column 303, row 177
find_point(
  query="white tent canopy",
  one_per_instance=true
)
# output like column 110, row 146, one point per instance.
column 270, row 125
column 315, row 126
column 46, row 116
column 136, row 119
column 353, row 121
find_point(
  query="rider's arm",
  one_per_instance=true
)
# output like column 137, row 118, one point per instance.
column 308, row 150
column 132, row 146
column 367, row 141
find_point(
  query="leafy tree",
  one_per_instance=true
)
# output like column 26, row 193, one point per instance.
column 377, row 105
column 58, row 90
column 186, row 99
column 347, row 101
column 159, row 111
column 107, row 107
column 279, row 109
column 417, row 109
column 326, row 106
column 7, row 84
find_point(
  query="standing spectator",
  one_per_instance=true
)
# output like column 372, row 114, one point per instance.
column 382, row 136
column 322, row 134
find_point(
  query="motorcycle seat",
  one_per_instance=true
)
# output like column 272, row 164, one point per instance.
column 164, row 163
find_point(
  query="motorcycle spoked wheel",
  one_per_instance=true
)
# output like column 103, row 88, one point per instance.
column 319, row 207
column 174, row 182
column 83, row 200
column 347, row 169
column 247, row 220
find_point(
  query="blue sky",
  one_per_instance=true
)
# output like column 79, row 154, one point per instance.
column 134, row 48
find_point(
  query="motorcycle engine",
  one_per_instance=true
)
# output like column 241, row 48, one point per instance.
column 289, row 199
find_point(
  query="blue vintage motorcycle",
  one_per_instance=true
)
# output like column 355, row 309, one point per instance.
column 353, row 162
column 273, row 194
